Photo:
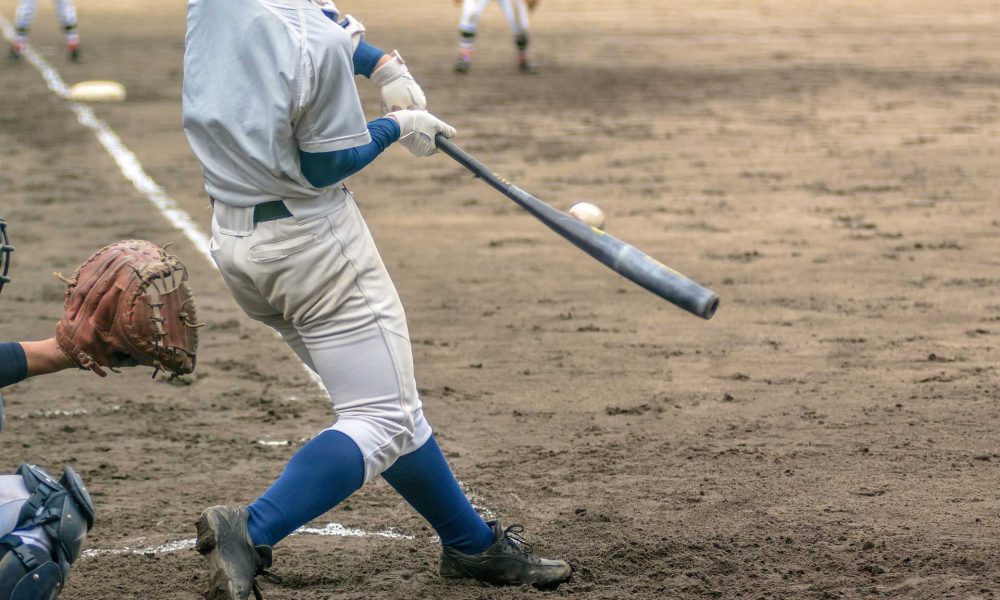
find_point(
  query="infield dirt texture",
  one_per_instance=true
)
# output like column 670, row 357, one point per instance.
column 830, row 168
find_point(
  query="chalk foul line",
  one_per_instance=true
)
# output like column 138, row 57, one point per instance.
column 329, row 529
column 126, row 160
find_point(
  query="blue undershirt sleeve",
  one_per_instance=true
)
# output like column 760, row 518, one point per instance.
column 13, row 364
column 323, row 169
column 366, row 56
column 365, row 59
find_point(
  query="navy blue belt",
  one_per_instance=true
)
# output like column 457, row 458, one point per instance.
column 270, row 211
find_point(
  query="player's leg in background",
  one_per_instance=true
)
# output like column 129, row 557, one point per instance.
column 24, row 17
column 472, row 10
column 66, row 11
column 516, row 12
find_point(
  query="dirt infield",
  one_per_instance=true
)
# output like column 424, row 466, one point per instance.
column 832, row 433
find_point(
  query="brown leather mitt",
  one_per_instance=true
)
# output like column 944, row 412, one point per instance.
column 130, row 305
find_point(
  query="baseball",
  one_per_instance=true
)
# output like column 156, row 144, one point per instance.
column 591, row 214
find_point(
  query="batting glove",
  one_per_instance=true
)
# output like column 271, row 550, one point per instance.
column 417, row 129
column 399, row 90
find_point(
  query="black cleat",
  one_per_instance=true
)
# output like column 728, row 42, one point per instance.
column 16, row 50
column 527, row 67
column 462, row 66
column 233, row 561
column 507, row 562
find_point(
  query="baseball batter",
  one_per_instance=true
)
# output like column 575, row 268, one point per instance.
column 25, row 17
column 516, row 12
column 272, row 112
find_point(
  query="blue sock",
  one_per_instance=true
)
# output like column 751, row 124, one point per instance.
column 328, row 469
column 424, row 479
column 13, row 364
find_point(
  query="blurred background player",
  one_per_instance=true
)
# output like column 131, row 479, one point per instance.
column 43, row 522
column 516, row 12
column 65, row 10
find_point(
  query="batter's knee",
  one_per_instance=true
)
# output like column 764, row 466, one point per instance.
column 384, row 438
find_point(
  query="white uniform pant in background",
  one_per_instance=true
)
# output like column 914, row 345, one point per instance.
column 320, row 282
column 25, row 15
column 13, row 495
column 516, row 12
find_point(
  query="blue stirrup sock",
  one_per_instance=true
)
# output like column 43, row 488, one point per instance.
column 330, row 467
column 424, row 479
column 323, row 473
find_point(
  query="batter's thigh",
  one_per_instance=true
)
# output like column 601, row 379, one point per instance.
column 326, row 279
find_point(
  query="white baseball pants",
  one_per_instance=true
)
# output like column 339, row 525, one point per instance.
column 13, row 495
column 25, row 15
column 318, row 280
column 516, row 12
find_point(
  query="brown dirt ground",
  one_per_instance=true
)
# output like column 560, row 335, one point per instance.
column 829, row 168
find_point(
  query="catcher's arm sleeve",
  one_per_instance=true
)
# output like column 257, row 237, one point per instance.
column 13, row 364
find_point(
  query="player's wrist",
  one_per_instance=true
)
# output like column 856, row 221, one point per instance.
column 390, row 68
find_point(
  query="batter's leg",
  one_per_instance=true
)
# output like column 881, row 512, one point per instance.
column 424, row 479
column 472, row 10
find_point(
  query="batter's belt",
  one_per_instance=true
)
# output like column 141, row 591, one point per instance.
column 241, row 221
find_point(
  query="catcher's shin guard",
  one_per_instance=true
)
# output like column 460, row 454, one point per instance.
column 65, row 512
column 27, row 571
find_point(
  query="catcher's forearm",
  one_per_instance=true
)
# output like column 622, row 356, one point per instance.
column 45, row 357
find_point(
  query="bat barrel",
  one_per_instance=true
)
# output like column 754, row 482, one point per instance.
column 623, row 258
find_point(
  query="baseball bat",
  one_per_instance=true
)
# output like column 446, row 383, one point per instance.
column 620, row 257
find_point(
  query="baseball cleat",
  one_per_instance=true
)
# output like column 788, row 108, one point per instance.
column 527, row 67
column 463, row 66
column 233, row 561
column 16, row 50
column 507, row 562
column 73, row 49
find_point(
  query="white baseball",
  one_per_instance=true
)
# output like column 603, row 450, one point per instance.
column 591, row 214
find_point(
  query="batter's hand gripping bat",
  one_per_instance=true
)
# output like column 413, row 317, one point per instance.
column 622, row 258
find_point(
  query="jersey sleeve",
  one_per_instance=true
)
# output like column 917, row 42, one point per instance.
column 330, row 114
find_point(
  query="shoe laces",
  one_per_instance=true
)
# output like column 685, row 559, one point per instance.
column 268, row 576
column 515, row 539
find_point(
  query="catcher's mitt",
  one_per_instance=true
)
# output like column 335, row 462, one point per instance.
column 130, row 305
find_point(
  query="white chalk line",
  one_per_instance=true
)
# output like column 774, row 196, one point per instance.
column 76, row 412
column 132, row 169
column 330, row 529
column 126, row 160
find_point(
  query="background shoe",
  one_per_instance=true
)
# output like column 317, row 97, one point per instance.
column 507, row 562
column 73, row 49
column 527, row 67
column 463, row 66
column 233, row 560
column 16, row 50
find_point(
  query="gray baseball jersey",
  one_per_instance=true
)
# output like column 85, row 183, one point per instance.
column 252, row 97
